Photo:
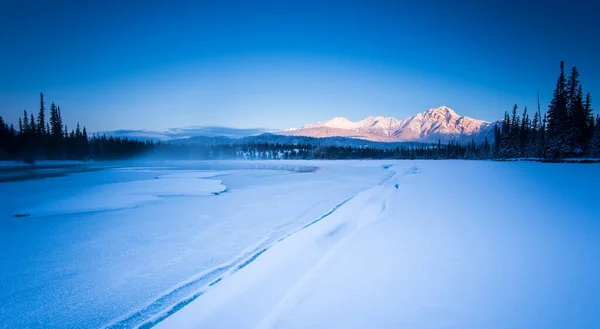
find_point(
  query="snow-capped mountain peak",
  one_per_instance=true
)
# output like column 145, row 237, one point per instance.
column 442, row 109
column 339, row 122
column 440, row 112
column 436, row 123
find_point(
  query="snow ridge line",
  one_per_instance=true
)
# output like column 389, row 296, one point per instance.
column 322, row 217
column 288, row 300
column 169, row 303
column 196, row 284
column 161, row 315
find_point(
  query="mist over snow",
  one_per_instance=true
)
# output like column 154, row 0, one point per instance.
column 186, row 132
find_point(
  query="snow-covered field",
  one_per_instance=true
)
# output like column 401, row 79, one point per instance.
column 325, row 244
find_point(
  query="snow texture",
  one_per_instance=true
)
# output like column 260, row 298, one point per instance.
column 354, row 244
column 450, row 244
column 127, row 246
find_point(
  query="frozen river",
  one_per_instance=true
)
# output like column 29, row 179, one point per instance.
column 119, row 244
column 297, row 244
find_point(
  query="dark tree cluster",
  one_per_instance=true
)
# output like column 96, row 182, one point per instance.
column 37, row 139
column 519, row 136
column 278, row 151
column 568, row 129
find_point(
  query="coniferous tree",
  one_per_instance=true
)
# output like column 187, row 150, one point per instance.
column 542, row 140
column 56, row 129
column 41, row 128
column 588, row 129
column 25, row 122
column 59, row 121
column 506, row 150
column 558, row 117
column 497, row 140
column 572, row 89
column 32, row 125
column 34, row 140
column 534, row 135
column 595, row 141
column 56, row 136
column 84, row 144
column 524, row 131
column 515, row 148
column 577, row 121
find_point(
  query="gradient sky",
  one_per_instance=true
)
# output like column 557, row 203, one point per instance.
column 278, row 64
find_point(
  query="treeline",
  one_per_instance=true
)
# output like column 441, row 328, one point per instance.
column 568, row 129
column 38, row 139
column 277, row 151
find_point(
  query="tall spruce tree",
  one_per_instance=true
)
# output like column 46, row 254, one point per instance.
column 557, row 126
column 53, row 119
column 572, row 88
column 534, row 135
column 497, row 141
column 506, row 150
column 26, row 129
column 575, row 123
column 41, row 128
column 515, row 134
column 588, row 131
column 524, row 131
column 543, row 139
column 32, row 125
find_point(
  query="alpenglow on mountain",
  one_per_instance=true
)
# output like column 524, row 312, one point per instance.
column 440, row 123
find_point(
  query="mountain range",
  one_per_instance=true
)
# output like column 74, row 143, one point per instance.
column 435, row 124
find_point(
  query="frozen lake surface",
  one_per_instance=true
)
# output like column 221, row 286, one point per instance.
column 125, row 243
column 297, row 244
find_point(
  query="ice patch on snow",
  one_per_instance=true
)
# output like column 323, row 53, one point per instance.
column 124, row 195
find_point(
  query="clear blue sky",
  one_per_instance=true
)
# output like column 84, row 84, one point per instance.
column 277, row 64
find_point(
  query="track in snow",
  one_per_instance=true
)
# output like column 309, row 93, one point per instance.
column 371, row 205
column 340, row 234
column 176, row 298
